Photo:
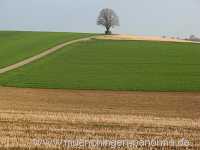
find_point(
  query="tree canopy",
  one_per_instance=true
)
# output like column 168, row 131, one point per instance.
column 108, row 18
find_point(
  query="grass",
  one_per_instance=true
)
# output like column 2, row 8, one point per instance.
column 29, row 114
column 114, row 65
column 16, row 46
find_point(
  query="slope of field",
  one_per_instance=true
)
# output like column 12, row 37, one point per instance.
column 16, row 46
column 114, row 65
column 31, row 118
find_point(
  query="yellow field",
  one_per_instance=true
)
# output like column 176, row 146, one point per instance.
column 34, row 119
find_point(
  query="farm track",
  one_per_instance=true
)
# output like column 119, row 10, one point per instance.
column 41, row 55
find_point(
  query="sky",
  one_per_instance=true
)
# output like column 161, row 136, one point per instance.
column 179, row 18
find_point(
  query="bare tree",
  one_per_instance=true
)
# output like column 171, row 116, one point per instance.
column 194, row 38
column 109, row 19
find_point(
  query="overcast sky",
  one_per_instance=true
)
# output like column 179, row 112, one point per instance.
column 143, row 17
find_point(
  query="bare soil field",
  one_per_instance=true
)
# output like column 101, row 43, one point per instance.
column 36, row 118
column 141, row 38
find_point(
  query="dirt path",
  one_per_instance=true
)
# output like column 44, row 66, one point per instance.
column 41, row 55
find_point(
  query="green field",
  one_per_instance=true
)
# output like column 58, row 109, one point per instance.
column 114, row 65
column 16, row 46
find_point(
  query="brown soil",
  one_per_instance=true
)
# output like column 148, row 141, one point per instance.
column 27, row 115
column 169, row 104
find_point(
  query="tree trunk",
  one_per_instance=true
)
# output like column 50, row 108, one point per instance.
column 108, row 32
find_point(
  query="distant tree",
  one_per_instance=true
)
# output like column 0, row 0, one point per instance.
column 192, row 37
column 109, row 19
